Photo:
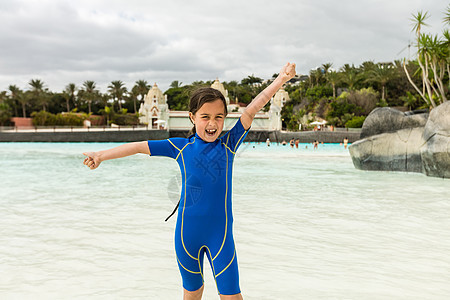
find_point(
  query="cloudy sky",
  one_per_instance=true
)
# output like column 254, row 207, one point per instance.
column 61, row 41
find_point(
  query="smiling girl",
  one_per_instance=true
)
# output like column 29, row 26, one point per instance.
column 205, row 221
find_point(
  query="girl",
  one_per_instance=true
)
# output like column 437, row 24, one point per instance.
column 205, row 222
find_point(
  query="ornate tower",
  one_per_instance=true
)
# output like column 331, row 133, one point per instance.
column 219, row 86
column 154, row 111
column 276, row 104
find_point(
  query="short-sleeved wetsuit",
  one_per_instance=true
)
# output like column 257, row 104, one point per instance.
column 205, row 221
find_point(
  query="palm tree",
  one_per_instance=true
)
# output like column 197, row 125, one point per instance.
column 382, row 74
column 333, row 78
column 433, row 59
column 350, row 76
column 326, row 67
column 89, row 92
column 133, row 96
column 176, row 84
column 17, row 96
column 315, row 76
column 117, row 90
column 141, row 88
column 39, row 92
column 70, row 90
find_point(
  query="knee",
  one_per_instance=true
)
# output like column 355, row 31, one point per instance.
column 231, row 297
column 193, row 295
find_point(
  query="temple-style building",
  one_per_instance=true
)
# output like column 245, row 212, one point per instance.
column 155, row 111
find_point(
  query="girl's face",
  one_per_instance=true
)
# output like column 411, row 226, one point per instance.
column 208, row 120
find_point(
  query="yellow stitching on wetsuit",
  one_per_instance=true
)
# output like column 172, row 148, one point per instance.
column 228, row 148
column 183, row 148
column 229, row 263
column 212, row 264
column 174, row 145
column 187, row 268
column 235, row 146
column 184, row 206
column 226, row 214
column 199, row 265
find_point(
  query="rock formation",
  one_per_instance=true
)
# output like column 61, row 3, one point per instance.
column 409, row 142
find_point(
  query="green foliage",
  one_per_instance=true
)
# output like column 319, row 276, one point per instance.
column 251, row 80
column 5, row 114
column 410, row 100
column 318, row 92
column 44, row 118
column 126, row 119
column 178, row 98
column 341, row 111
column 355, row 122
column 366, row 99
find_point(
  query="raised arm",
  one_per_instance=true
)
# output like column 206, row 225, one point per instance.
column 94, row 159
column 286, row 73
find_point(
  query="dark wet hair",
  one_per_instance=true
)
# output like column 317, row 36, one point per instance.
column 204, row 95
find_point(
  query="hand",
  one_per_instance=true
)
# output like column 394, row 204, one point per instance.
column 287, row 72
column 92, row 160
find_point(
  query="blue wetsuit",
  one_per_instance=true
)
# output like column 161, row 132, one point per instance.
column 205, row 220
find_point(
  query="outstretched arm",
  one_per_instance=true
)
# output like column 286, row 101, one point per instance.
column 94, row 159
column 286, row 73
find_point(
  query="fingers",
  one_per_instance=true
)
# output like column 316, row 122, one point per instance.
column 290, row 69
column 89, row 161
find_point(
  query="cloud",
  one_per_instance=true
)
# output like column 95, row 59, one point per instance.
column 73, row 41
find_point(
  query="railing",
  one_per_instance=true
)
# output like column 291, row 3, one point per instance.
column 74, row 128
column 135, row 127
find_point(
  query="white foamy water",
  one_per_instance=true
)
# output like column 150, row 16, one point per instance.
column 307, row 225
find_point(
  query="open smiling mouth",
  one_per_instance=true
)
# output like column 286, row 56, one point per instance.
column 210, row 132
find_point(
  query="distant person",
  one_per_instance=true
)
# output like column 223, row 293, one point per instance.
column 297, row 141
column 345, row 142
column 284, row 143
column 205, row 223
column 316, row 144
column 291, row 142
column 268, row 142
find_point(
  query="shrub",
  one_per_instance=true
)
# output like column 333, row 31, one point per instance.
column 355, row 122
column 128, row 119
column 44, row 118
column 365, row 98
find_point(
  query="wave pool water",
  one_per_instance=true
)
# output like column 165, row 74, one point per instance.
column 307, row 225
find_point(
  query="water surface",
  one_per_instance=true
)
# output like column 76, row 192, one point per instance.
column 307, row 225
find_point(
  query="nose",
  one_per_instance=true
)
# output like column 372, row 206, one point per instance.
column 212, row 122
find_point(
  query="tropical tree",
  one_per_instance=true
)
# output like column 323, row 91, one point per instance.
column 17, row 96
column 89, row 92
column 108, row 112
column 70, row 91
column 433, row 58
column 381, row 73
column 175, row 84
column 350, row 76
column 132, row 97
column 333, row 78
column 141, row 87
column 5, row 113
column 315, row 77
column 326, row 68
column 117, row 90
column 39, row 92
column 251, row 80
